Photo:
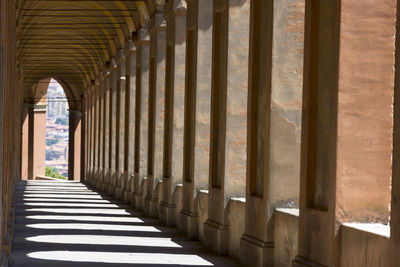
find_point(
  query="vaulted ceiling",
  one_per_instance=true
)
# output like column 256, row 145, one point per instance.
column 71, row 40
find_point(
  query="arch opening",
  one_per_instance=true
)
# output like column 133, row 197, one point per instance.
column 57, row 131
column 51, row 132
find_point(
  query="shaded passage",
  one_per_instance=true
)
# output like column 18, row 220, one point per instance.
column 67, row 224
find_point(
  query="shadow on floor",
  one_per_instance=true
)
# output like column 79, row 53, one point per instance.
column 66, row 224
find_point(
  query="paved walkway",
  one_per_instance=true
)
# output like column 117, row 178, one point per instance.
column 66, row 224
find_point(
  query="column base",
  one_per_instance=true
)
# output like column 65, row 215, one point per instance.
column 127, row 191
column 189, row 224
column 216, row 237
column 119, row 185
column 127, row 197
column 96, row 179
column 167, row 213
column 150, row 207
column 137, row 201
column 302, row 262
column 119, row 193
column 89, row 177
column 103, row 187
column 110, row 190
column 254, row 252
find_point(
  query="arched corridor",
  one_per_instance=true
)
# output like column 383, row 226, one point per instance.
column 203, row 132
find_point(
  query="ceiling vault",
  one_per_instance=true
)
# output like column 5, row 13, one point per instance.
column 72, row 40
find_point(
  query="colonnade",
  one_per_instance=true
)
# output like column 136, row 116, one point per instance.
column 223, row 117
column 33, row 135
column 266, row 129
column 171, row 119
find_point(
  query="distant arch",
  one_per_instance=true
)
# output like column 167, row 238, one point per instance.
column 34, row 130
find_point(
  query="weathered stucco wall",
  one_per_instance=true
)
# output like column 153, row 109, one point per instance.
column 365, row 113
column 286, row 103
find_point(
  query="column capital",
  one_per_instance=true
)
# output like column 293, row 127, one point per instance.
column 28, row 106
column 131, row 48
column 113, row 63
column 75, row 113
column 156, row 23
column 39, row 108
column 121, row 56
column 174, row 8
column 142, row 37
column 107, row 69
column 101, row 77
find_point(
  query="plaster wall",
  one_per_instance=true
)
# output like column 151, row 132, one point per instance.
column 366, row 79
column 106, row 142
column 143, row 86
column 39, row 143
column 197, row 110
column 286, row 104
column 113, row 120
column 121, row 122
column 236, row 102
column 25, row 144
column 203, row 95
column 130, row 125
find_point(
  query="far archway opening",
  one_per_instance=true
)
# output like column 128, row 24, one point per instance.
column 57, row 131
column 51, row 132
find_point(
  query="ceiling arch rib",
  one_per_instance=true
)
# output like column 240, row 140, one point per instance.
column 72, row 39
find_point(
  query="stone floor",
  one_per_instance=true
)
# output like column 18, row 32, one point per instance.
column 67, row 224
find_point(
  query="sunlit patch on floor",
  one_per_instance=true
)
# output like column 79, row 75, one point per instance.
column 85, row 218
column 80, row 211
column 115, row 257
column 90, row 226
column 105, row 240
column 72, row 205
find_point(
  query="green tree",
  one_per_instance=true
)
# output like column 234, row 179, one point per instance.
column 53, row 172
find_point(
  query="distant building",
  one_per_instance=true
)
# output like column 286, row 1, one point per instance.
column 56, row 133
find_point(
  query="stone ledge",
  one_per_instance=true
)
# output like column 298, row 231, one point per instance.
column 373, row 228
column 364, row 244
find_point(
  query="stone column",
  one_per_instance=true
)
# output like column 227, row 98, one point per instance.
column 274, row 122
column 106, row 129
column 90, row 132
column 395, row 205
column 25, row 142
column 130, row 111
column 37, row 146
column 99, row 132
column 74, row 145
column 84, row 137
column 228, row 116
column 120, row 139
column 175, row 17
column 113, row 119
column 345, row 159
column 141, row 116
column 95, row 122
column 30, row 142
column 156, row 112
column 197, row 110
